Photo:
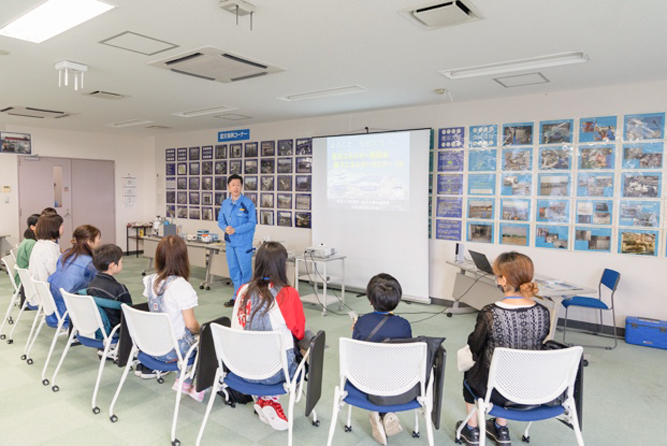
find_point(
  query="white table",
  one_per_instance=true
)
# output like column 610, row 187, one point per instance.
column 476, row 289
column 316, row 273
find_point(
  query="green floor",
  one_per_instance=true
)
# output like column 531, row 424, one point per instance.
column 625, row 391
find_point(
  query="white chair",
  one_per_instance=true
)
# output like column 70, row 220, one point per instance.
column 152, row 336
column 10, row 264
column 31, row 299
column 86, row 322
column 254, row 355
column 370, row 368
column 14, row 251
column 530, row 378
column 47, row 307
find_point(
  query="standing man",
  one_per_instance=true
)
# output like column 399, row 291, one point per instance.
column 238, row 219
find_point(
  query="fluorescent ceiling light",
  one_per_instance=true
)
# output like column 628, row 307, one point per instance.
column 204, row 111
column 330, row 92
column 52, row 18
column 535, row 63
column 128, row 123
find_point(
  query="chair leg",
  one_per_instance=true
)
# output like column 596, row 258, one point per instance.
column 574, row 420
column 348, row 426
column 613, row 327
column 11, row 333
column 429, row 426
column 103, row 361
column 182, row 374
column 28, row 349
column 290, row 417
column 526, row 433
column 457, row 436
column 337, row 405
column 415, row 432
column 481, row 422
column 123, row 377
column 214, row 391
column 8, row 314
column 565, row 326
column 32, row 335
column 62, row 358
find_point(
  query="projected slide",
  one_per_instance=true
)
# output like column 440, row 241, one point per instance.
column 369, row 172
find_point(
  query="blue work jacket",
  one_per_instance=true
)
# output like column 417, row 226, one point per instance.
column 242, row 217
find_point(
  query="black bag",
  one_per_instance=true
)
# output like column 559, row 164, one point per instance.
column 235, row 397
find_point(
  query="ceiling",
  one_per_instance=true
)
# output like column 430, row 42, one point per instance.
column 320, row 45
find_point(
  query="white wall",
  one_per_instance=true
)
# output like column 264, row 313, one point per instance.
column 132, row 155
column 641, row 291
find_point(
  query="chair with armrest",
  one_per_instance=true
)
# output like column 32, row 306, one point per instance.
column 608, row 281
column 31, row 301
column 255, row 355
column 385, row 370
column 153, row 336
column 10, row 264
column 89, row 329
column 541, row 382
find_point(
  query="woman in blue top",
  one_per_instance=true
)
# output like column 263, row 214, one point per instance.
column 75, row 267
column 238, row 219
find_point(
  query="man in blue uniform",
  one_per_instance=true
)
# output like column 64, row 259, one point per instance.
column 238, row 219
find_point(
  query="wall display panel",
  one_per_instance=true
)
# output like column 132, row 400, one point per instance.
column 517, row 159
column 304, row 164
column 207, row 153
column 641, row 185
column 553, row 211
column 182, row 169
column 251, row 150
column 207, row 213
column 482, row 184
column 553, row 184
column 479, row 232
column 643, row 155
column 594, row 212
column 170, row 169
column 285, row 218
column 592, row 239
column 266, row 200
column 304, row 147
column 556, row 132
column 596, row 157
column 252, row 196
column 286, row 147
column 284, row 201
column 268, row 148
column 517, row 184
column 638, row 242
column 181, row 212
column 250, row 183
column 266, row 217
column 267, row 182
column 302, row 220
column 450, row 161
column 302, row 202
column 480, row 208
column 482, row 160
column 194, row 183
column 285, row 165
column 194, row 168
column 235, row 150
column 170, row 155
column 451, row 137
column 182, row 197
column 644, row 126
column 170, row 183
column 194, row 198
column 448, row 230
column 555, row 237
column 598, row 129
column 449, row 207
column 303, row 183
column 170, row 197
column 219, row 198
column 182, row 154
column 251, row 166
column 595, row 184
column 639, row 213
column 207, row 198
column 207, row 168
column 194, row 153
column 555, row 158
column 514, row 234
column 182, row 183
column 221, row 167
column 482, row 136
column 235, row 167
column 171, row 211
column 220, row 183
column 284, row 183
column 207, row 183
column 450, row 184
column 194, row 213
column 221, row 151
column 514, row 209
column 518, row 134
column 267, row 165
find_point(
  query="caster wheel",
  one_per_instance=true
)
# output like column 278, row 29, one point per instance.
column 160, row 380
column 415, row 434
column 585, row 362
column 113, row 418
column 29, row 361
column 45, row 382
column 449, row 314
column 23, row 357
column 143, row 274
column 316, row 423
column 457, row 441
column 10, row 341
column 2, row 336
column 608, row 348
column 231, row 404
column 201, row 287
column 208, row 288
column 96, row 410
column 348, row 428
column 10, row 321
column 55, row 388
column 176, row 442
column 525, row 439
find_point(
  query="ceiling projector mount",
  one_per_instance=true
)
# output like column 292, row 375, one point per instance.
column 238, row 8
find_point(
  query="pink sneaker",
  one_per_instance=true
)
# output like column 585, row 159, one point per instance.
column 273, row 412
column 186, row 388
column 197, row 396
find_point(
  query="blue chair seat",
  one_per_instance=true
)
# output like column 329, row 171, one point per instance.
column 539, row 413
column 156, row 364
column 357, row 398
column 94, row 343
column 241, row 385
column 589, row 302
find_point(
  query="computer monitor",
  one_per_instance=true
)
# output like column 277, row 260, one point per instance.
column 481, row 262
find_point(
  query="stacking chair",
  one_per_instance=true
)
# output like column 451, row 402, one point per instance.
column 10, row 264
column 88, row 327
column 153, row 335
column 533, row 379
column 47, row 307
column 31, row 300
column 370, row 368
column 255, row 355
column 609, row 281
column 13, row 252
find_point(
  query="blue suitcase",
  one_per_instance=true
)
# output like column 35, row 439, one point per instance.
column 645, row 331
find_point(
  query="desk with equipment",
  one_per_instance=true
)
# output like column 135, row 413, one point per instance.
column 475, row 286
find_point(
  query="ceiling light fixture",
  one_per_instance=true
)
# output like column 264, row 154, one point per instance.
column 327, row 93
column 128, row 123
column 534, row 63
column 204, row 111
column 52, row 18
column 65, row 67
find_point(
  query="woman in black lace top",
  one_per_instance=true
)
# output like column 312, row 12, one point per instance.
column 515, row 322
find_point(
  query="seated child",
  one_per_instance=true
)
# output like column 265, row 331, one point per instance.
column 108, row 259
column 384, row 293
column 269, row 303
column 25, row 249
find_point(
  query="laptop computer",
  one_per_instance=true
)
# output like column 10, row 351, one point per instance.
column 481, row 262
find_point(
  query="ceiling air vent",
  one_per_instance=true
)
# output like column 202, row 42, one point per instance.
column 441, row 14
column 158, row 127
column 105, row 95
column 31, row 112
column 216, row 65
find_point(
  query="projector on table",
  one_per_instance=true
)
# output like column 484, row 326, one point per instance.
column 321, row 250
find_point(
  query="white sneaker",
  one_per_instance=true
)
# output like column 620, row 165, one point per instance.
column 273, row 412
column 377, row 428
column 259, row 406
column 392, row 424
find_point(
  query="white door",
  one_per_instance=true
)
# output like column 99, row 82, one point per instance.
column 93, row 200
column 45, row 182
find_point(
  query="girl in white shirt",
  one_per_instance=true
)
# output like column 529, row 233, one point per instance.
column 45, row 253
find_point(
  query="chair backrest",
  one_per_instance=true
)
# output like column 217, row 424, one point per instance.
column 250, row 354
column 533, row 376
column 84, row 313
column 43, row 290
column 28, row 287
column 610, row 279
column 383, row 369
column 10, row 263
column 152, row 333
column 13, row 252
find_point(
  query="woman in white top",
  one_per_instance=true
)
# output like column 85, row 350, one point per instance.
column 45, row 253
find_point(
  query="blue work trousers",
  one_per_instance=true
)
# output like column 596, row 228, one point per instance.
column 239, row 260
